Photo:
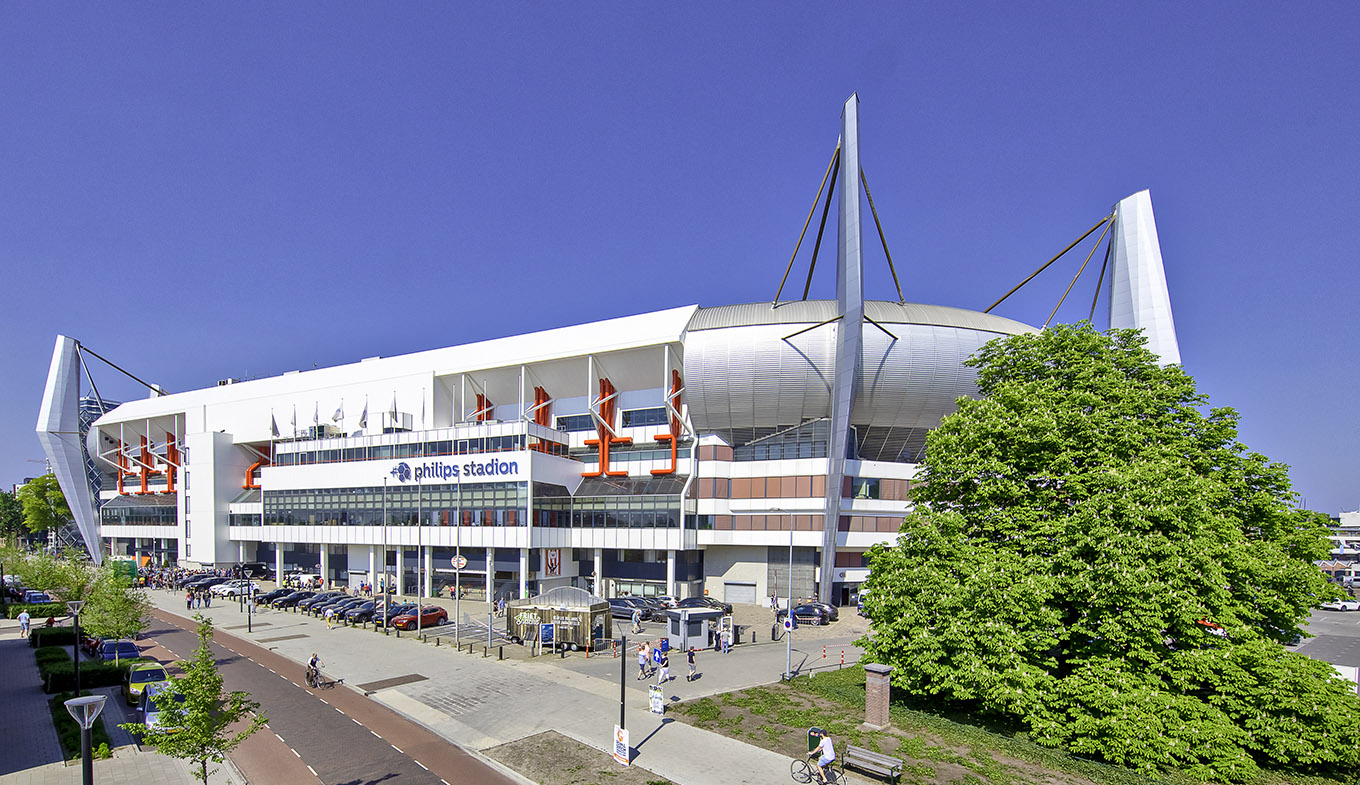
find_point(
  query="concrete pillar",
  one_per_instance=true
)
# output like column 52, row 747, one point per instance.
column 670, row 573
column 278, row 562
column 373, row 567
column 401, row 571
column 325, row 566
column 599, row 572
column 877, row 692
column 524, row 572
column 428, row 577
column 240, row 552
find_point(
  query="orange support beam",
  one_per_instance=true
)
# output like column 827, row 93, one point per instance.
column 483, row 407
column 171, row 462
column 250, row 473
column 674, row 436
column 607, row 439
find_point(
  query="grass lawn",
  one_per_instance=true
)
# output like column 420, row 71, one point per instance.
column 936, row 750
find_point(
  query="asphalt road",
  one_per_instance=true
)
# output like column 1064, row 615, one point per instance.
column 343, row 737
column 1337, row 637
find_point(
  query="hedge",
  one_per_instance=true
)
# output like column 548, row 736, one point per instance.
column 51, row 636
column 38, row 611
column 68, row 730
column 58, row 675
column 51, row 654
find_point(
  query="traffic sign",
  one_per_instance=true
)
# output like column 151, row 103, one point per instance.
column 459, row 562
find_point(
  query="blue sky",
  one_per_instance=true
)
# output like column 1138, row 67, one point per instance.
column 203, row 190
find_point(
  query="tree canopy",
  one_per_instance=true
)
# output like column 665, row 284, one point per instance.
column 44, row 504
column 114, row 607
column 11, row 516
column 200, row 725
column 1095, row 557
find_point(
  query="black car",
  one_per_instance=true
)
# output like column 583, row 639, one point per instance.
column 339, row 606
column 290, row 600
column 806, row 614
column 831, row 613
column 268, row 597
column 393, row 611
column 321, row 598
column 205, row 582
column 705, row 602
column 362, row 612
column 621, row 608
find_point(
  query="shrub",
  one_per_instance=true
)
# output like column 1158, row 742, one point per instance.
column 59, row 675
column 68, row 730
column 38, row 611
column 51, row 654
column 52, row 636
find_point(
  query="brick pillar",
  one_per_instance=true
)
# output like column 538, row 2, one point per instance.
column 877, row 691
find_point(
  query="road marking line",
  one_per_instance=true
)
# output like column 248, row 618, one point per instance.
column 295, row 752
column 370, row 730
column 323, row 700
column 395, row 747
column 421, row 765
column 356, row 722
column 313, row 771
column 280, row 738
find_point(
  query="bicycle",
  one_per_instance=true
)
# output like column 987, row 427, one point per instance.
column 313, row 677
column 801, row 769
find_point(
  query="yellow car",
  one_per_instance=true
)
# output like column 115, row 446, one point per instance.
column 138, row 677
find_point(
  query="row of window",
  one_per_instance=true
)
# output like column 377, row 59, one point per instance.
column 799, row 487
column 138, row 516
column 848, row 523
column 632, row 418
column 376, row 452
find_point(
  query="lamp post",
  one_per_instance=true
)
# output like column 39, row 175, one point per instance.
column 74, row 607
column 85, row 711
column 788, row 618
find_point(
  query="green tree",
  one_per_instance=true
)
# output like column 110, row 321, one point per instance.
column 44, row 504
column 1094, row 557
column 114, row 607
column 205, row 716
column 11, row 516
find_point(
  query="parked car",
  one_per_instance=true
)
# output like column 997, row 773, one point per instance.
column 430, row 616
column 111, row 650
column 235, row 588
column 831, row 613
column 621, row 608
column 289, row 600
column 362, row 612
column 141, row 676
column 705, row 602
column 31, row 596
column 805, row 614
column 668, row 601
column 393, row 610
column 153, row 703
column 339, row 606
column 318, row 599
column 206, row 582
column 653, row 604
column 1342, row 605
column 270, row 596
column 90, row 643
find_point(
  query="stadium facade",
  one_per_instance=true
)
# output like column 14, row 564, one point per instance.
column 743, row 451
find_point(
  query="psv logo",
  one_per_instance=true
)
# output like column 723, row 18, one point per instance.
column 553, row 561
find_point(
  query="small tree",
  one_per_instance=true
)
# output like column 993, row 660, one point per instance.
column 11, row 516
column 44, row 504
column 206, row 714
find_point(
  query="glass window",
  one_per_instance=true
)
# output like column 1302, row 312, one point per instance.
column 576, row 422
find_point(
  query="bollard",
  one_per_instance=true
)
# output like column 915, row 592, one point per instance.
column 436, row 645
column 399, row 635
column 484, row 651
column 842, row 659
column 501, row 655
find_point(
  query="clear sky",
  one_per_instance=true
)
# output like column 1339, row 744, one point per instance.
column 204, row 190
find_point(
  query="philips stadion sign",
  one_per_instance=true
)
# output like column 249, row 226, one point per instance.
column 402, row 472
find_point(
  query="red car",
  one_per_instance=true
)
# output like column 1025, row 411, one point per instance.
column 430, row 616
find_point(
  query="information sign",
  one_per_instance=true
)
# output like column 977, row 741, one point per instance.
column 656, row 700
column 545, row 634
column 459, row 562
column 621, row 749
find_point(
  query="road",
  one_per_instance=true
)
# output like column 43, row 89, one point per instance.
column 336, row 736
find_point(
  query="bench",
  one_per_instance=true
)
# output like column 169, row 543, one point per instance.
column 873, row 762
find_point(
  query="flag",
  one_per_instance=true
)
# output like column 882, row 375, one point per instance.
column 273, row 425
column 422, row 408
column 339, row 413
column 394, row 408
column 363, row 418
column 316, row 415
column 294, row 420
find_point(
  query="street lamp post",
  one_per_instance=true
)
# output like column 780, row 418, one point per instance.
column 74, row 607
column 85, row 711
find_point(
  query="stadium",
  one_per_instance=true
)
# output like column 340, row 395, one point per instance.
column 742, row 451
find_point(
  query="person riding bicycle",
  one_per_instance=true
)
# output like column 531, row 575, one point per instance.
column 313, row 670
column 826, row 755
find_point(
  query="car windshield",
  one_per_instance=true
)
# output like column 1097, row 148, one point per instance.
column 148, row 675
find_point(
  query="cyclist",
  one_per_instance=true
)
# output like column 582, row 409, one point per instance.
column 313, row 670
column 826, row 755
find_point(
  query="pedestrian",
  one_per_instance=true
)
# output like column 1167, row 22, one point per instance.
column 693, row 670
column 726, row 640
column 642, row 661
column 189, row 600
column 207, row 599
column 24, row 621
column 637, row 621
column 664, row 673
column 330, row 618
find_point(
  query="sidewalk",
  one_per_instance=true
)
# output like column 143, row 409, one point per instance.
column 30, row 753
column 478, row 702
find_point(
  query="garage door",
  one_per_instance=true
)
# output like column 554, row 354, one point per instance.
column 740, row 593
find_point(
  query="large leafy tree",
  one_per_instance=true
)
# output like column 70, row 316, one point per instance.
column 11, row 516
column 1094, row 556
column 44, row 504
column 202, row 728
column 114, row 607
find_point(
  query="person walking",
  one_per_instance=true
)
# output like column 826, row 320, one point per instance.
column 637, row 621
column 330, row 618
column 207, row 599
column 24, row 621
column 664, row 672
column 189, row 600
column 693, row 669
column 642, row 661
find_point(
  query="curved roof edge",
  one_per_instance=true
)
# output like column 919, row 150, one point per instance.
column 881, row 311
